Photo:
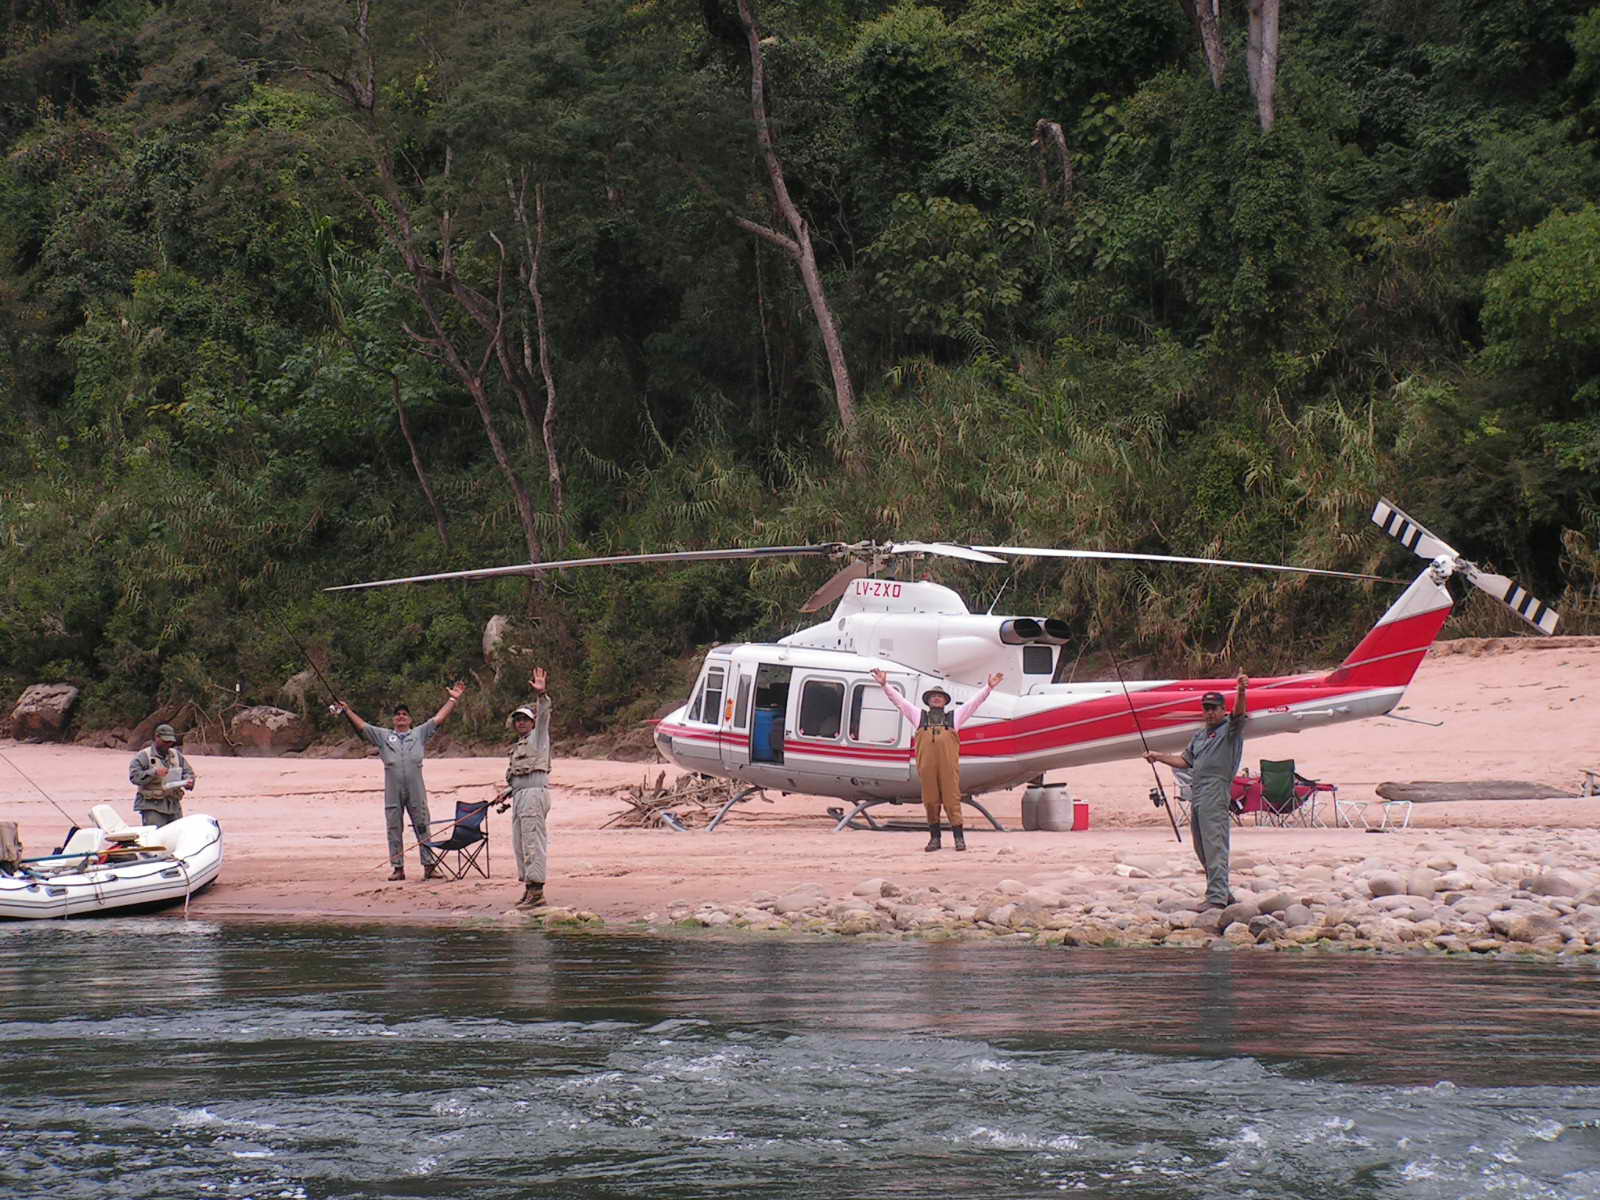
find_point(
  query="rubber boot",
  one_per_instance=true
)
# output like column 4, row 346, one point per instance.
column 532, row 896
column 959, row 834
column 933, row 837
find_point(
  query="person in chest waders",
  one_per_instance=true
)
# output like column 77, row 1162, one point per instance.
column 162, row 774
column 402, row 749
column 528, row 791
column 937, row 748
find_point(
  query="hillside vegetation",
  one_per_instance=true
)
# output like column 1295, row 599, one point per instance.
column 297, row 294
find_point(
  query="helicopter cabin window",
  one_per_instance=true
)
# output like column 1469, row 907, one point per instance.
column 741, row 705
column 710, row 709
column 1038, row 660
column 873, row 718
column 821, row 707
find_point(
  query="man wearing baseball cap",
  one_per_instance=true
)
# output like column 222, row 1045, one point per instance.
column 162, row 774
column 1213, row 759
column 528, row 788
column 402, row 750
column 937, row 746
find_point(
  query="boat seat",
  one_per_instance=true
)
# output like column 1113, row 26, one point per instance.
column 84, row 841
column 109, row 819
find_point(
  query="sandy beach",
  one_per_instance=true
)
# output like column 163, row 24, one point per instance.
column 305, row 839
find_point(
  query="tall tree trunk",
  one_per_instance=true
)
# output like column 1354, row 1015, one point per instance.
column 416, row 464
column 534, row 249
column 1048, row 136
column 1261, row 59
column 1207, row 22
column 443, row 346
column 798, row 244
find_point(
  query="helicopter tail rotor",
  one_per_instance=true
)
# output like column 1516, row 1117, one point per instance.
column 1447, row 561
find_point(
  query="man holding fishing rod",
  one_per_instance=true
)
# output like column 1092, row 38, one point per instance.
column 1213, row 758
column 402, row 750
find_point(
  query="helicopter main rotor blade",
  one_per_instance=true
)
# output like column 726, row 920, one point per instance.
column 822, row 549
column 947, row 549
column 834, row 588
column 1043, row 552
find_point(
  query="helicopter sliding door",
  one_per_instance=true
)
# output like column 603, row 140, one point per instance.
column 736, row 709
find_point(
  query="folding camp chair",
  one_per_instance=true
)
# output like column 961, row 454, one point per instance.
column 1288, row 797
column 468, row 843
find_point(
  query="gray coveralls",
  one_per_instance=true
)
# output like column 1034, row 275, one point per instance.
column 403, row 790
column 528, row 777
column 159, row 801
column 1214, row 756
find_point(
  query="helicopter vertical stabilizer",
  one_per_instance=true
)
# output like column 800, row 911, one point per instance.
column 1391, row 653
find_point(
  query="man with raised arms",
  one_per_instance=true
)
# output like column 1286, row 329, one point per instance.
column 1212, row 759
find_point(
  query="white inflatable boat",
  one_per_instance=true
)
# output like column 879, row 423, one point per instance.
column 115, row 866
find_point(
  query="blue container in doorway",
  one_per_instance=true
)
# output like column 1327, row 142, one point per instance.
column 761, row 747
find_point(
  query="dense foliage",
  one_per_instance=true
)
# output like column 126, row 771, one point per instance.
column 246, row 248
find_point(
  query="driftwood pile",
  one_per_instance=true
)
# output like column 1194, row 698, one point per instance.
column 689, row 803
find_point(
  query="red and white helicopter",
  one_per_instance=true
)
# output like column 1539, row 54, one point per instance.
column 804, row 714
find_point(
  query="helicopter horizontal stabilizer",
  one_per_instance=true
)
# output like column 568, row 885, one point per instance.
column 1445, row 558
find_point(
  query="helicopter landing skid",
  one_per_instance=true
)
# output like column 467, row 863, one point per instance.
column 847, row 821
column 723, row 811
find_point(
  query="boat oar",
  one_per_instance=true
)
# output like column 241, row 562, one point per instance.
column 1134, row 713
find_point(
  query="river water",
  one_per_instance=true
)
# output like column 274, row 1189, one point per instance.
column 158, row 1058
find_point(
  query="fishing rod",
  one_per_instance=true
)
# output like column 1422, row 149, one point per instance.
column 333, row 696
column 1134, row 713
column 70, row 819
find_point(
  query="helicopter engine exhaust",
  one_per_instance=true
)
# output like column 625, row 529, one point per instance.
column 1031, row 631
column 1055, row 632
column 1020, row 631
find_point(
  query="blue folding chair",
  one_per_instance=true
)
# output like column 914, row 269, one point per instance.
column 467, row 847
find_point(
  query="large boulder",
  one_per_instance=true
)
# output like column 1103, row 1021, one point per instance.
column 41, row 712
column 263, row 731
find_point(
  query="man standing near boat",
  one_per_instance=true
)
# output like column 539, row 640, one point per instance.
column 528, row 787
column 402, row 750
column 162, row 774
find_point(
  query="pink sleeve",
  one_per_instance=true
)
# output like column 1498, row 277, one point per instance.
column 972, row 706
column 911, row 713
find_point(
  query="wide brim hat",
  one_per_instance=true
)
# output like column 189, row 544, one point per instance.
column 936, row 691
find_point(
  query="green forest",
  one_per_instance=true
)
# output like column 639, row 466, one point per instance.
column 302, row 294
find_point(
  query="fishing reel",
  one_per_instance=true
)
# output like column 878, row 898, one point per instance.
column 1156, row 798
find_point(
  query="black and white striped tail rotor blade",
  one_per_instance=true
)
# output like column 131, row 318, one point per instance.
column 1410, row 534
column 1529, row 607
column 1427, row 545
